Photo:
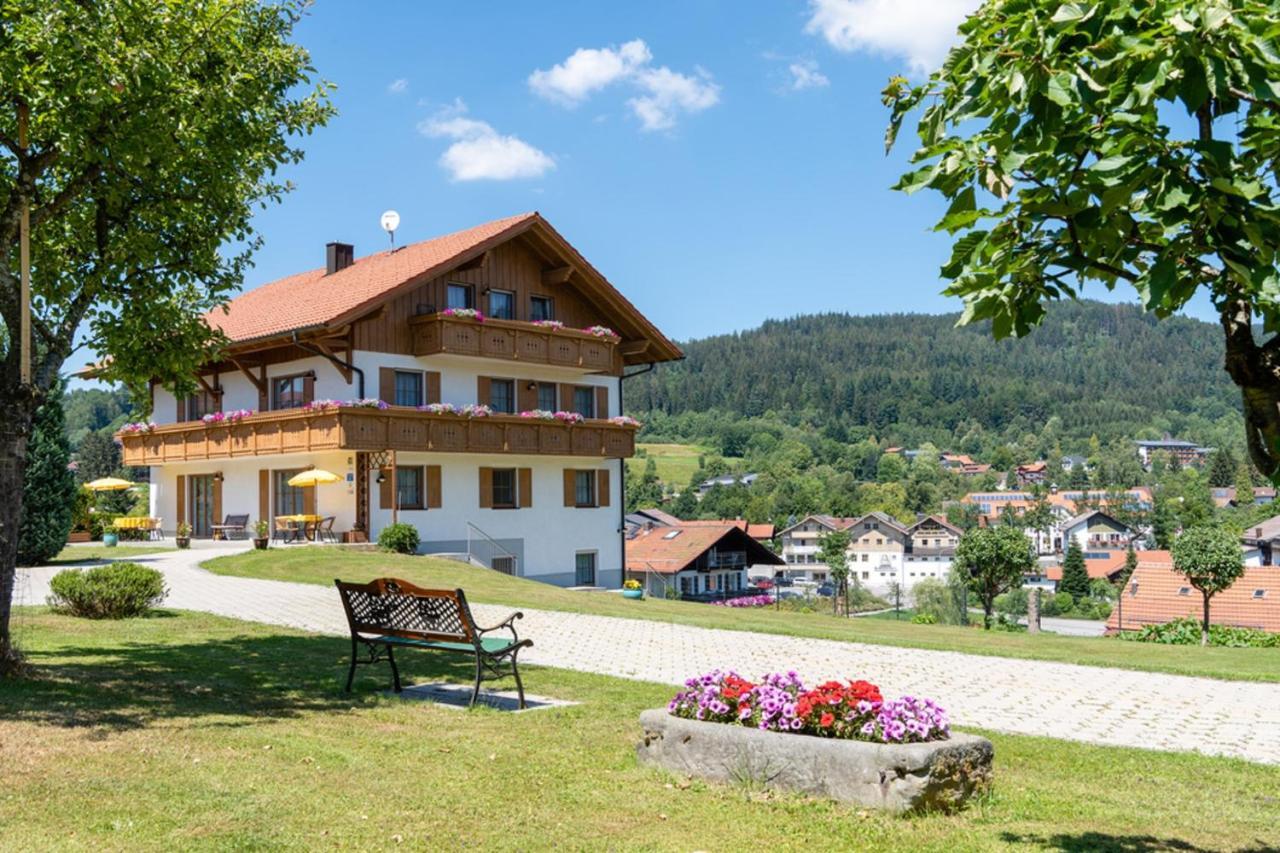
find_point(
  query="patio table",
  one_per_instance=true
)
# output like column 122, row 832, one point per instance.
column 306, row 522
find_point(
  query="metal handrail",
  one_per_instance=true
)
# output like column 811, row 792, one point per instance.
column 494, row 545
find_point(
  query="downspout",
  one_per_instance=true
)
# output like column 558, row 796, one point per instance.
column 622, row 478
column 345, row 365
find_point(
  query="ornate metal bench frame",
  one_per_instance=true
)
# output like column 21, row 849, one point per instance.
column 390, row 607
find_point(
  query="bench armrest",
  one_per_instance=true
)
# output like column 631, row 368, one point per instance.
column 508, row 623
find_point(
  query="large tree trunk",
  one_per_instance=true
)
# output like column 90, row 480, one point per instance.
column 15, row 430
column 1256, row 372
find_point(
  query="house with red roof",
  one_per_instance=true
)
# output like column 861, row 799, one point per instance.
column 469, row 385
column 1156, row 594
column 700, row 561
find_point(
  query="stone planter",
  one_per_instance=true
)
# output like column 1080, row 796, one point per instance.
column 182, row 541
column 260, row 544
column 110, row 540
column 633, row 593
column 895, row 777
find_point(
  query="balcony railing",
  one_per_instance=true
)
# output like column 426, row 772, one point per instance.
column 355, row 428
column 514, row 340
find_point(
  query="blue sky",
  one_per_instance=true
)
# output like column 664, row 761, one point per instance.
column 721, row 162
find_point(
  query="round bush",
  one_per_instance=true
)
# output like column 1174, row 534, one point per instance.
column 117, row 591
column 401, row 538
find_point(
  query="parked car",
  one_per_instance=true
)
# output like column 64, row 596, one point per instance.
column 825, row 590
column 762, row 583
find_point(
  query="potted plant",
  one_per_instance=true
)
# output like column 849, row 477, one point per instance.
column 260, row 531
column 182, row 536
column 110, row 538
column 632, row 589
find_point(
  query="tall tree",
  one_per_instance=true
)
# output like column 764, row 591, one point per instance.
column 994, row 560
column 1244, row 486
column 1075, row 577
column 833, row 551
column 1222, row 468
column 155, row 133
column 98, row 456
column 1211, row 559
column 49, row 490
column 1052, row 132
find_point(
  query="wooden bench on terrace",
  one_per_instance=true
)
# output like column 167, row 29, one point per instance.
column 388, row 612
column 234, row 524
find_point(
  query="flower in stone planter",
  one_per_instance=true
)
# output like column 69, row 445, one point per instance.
column 601, row 331
column 463, row 314
column 439, row 409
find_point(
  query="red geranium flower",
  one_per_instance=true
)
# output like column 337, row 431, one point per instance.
column 827, row 719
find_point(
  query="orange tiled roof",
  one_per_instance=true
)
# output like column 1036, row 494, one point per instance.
column 1108, row 566
column 1158, row 598
column 761, row 531
column 657, row 550
column 755, row 531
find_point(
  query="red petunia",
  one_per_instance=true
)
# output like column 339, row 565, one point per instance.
column 826, row 719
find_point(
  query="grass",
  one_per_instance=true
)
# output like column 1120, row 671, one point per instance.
column 187, row 731
column 85, row 553
column 322, row 565
column 676, row 463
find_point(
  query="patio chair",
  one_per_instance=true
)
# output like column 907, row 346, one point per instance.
column 284, row 531
column 324, row 530
column 157, row 529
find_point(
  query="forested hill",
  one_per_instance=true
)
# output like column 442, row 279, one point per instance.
column 1109, row 370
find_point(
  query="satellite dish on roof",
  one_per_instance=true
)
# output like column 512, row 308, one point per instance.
column 390, row 222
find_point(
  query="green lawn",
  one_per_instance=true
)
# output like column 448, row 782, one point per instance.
column 187, row 731
column 123, row 551
column 676, row 462
column 322, row 565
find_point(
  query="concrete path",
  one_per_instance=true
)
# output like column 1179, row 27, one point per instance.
column 1094, row 704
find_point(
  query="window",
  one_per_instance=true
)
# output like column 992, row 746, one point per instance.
column 547, row 396
column 506, row 565
column 672, row 535
column 584, row 488
column 584, row 401
column 408, row 388
column 1184, row 590
column 504, row 488
column 409, row 491
column 460, row 296
column 201, row 404
column 290, row 500
column 289, row 392
column 502, row 305
column 502, row 395
column 541, row 308
column 1259, row 593
column 584, row 566
column 864, row 558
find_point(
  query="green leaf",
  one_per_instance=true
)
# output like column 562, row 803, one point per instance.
column 1071, row 13
column 1061, row 89
column 1180, row 23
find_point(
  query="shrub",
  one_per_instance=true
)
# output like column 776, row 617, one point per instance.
column 1065, row 602
column 1186, row 632
column 117, row 591
column 924, row 619
column 935, row 599
column 400, row 537
column 1012, row 603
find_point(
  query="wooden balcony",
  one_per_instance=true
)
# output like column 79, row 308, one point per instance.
column 296, row 431
column 513, row 340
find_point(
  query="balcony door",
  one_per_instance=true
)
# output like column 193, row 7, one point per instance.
column 204, row 504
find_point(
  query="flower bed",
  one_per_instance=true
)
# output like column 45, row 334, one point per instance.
column 746, row 601
column 781, row 703
column 898, row 754
column 326, row 405
column 140, row 426
column 219, row 418
column 463, row 313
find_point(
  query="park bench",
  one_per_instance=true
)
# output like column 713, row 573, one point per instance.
column 388, row 612
column 234, row 524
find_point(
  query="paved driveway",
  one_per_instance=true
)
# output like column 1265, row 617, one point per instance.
column 1094, row 704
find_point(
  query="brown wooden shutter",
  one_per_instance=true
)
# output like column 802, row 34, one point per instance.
column 181, row 507
column 566, row 398
column 264, row 398
column 217, row 500
column 384, row 488
column 525, row 497
column 308, row 389
column 387, row 385
column 433, row 386
column 182, row 408
column 602, row 487
column 433, row 487
column 570, row 487
column 264, row 494
column 483, row 393
column 486, row 488
column 526, row 395
column 602, row 402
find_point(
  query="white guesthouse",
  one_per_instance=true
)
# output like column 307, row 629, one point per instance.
column 538, row 470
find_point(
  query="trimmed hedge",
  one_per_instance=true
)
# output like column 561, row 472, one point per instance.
column 117, row 591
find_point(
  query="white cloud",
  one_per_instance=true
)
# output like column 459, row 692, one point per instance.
column 921, row 31
column 588, row 70
column 481, row 153
column 663, row 94
column 805, row 75
column 398, row 87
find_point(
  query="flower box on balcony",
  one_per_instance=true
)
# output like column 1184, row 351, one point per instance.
column 515, row 340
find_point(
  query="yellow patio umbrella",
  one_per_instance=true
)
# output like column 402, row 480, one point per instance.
column 314, row 477
column 109, row 484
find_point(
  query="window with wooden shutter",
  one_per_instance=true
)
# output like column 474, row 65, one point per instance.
column 482, row 390
column 433, row 386
column 386, row 488
column 264, row 494
column 181, row 507
column 434, row 498
column 308, row 391
column 525, row 495
column 566, row 397
column 486, row 488
column 527, row 395
column 410, row 483
column 602, row 487
column 602, row 402
column 387, row 384
column 570, row 487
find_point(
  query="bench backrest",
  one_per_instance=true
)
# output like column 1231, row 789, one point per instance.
column 236, row 520
column 398, row 608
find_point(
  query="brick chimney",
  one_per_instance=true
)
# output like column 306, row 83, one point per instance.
column 338, row 256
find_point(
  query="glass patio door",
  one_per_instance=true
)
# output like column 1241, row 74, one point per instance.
column 202, row 519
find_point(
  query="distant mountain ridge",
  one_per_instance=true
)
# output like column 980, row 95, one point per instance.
column 1104, row 369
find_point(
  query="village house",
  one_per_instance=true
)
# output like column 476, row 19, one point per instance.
column 1186, row 452
column 469, row 385
column 699, row 562
column 650, row 517
column 1032, row 473
column 725, row 481
column 1097, row 534
column 1156, row 594
column 1261, row 543
column 1262, row 495
column 1110, row 568
column 1065, row 507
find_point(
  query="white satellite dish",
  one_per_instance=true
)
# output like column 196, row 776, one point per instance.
column 390, row 222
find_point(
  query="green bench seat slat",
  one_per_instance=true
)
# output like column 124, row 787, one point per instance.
column 489, row 644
